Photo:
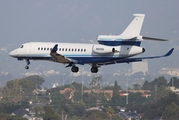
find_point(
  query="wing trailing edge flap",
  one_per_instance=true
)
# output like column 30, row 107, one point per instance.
column 58, row 57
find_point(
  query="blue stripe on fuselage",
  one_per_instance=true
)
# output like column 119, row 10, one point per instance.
column 116, row 43
column 80, row 59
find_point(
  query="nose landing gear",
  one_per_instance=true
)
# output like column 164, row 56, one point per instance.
column 27, row 66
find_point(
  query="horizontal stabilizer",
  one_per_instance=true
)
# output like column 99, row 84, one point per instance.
column 156, row 39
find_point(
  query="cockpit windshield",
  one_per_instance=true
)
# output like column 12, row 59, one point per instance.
column 21, row 46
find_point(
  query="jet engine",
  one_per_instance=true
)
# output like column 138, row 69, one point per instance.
column 102, row 49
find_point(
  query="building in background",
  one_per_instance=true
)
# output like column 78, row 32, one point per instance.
column 170, row 71
column 140, row 67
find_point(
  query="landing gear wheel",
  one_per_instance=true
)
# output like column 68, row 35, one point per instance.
column 74, row 69
column 94, row 69
column 26, row 67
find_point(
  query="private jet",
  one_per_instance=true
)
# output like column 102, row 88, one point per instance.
column 112, row 49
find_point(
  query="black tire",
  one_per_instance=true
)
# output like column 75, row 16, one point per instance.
column 94, row 69
column 74, row 69
column 26, row 67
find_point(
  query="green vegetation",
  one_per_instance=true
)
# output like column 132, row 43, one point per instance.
column 171, row 112
column 74, row 105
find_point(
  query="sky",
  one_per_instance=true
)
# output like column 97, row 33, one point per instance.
column 80, row 21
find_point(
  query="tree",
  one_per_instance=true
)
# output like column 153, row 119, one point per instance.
column 75, row 118
column 146, row 86
column 156, row 109
column 58, row 100
column 50, row 114
column 136, row 101
column 137, row 86
column 110, row 112
column 21, row 89
column 37, row 80
column 171, row 112
column 3, row 116
column 96, row 115
column 78, row 91
column 95, row 83
column 12, row 117
column 115, row 90
column 160, row 81
column 108, row 87
column 96, row 91
column 11, row 90
column 79, row 109
column 90, row 99
column 26, row 86
column 115, row 101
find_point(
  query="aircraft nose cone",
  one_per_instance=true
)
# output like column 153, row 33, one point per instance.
column 12, row 53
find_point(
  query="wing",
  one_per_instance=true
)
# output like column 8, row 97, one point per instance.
column 128, row 60
column 58, row 57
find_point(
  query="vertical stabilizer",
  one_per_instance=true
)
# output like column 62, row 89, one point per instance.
column 134, row 28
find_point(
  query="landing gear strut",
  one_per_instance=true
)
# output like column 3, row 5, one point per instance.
column 27, row 66
column 74, row 69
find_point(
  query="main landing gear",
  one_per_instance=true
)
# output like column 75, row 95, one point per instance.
column 27, row 66
column 74, row 69
column 94, row 69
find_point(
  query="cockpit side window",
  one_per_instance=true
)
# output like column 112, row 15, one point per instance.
column 21, row 46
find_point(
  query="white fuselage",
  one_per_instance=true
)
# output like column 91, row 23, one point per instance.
column 81, row 53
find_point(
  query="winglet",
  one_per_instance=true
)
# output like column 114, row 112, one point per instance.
column 54, row 49
column 169, row 52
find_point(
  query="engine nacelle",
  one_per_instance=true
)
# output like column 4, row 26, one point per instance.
column 102, row 49
column 128, row 50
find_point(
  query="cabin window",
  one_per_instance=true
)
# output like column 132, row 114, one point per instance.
column 47, row 48
column 66, row 49
column 78, row 50
column 84, row 50
column 21, row 46
column 127, row 48
column 38, row 48
column 41, row 48
column 44, row 48
column 75, row 50
column 63, row 49
column 69, row 49
column 60, row 49
column 50, row 48
column 81, row 50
